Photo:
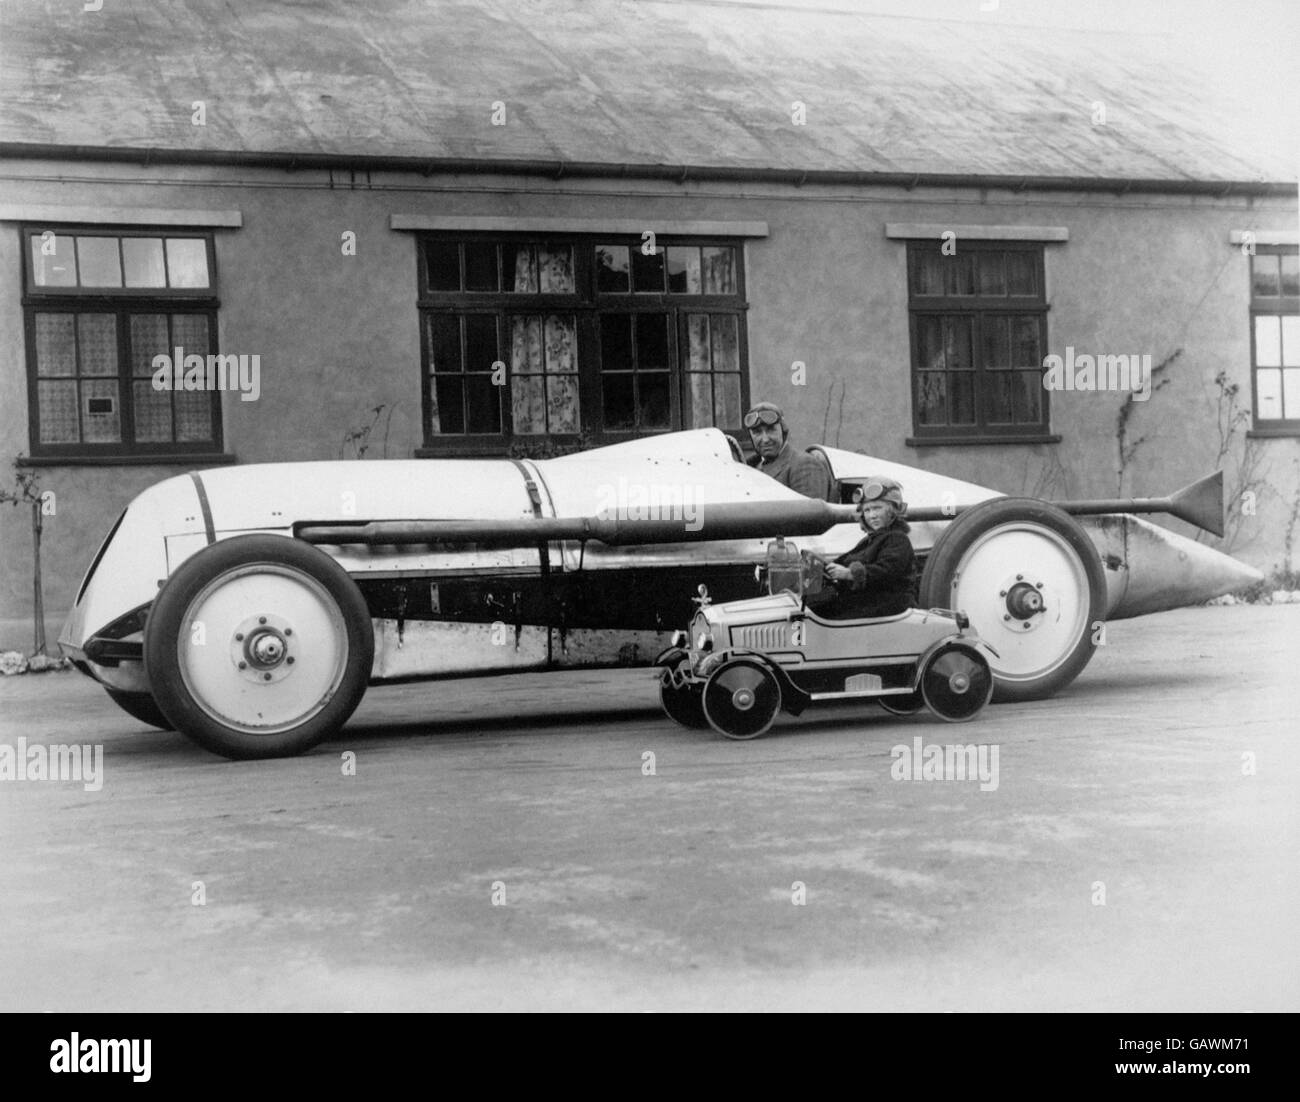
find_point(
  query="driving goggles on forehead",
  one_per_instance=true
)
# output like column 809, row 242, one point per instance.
column 757, row 417
column 871, row 491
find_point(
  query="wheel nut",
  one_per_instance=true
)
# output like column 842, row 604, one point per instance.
column 239, row 637
column 1019, row 578
column 289, row 660
column 288, row 631
column 1038, row 585
column 1026, row 623
column 1003, row 593
column 1006, row 616
column 266, row 677
column 243, row 665
column 261, row 619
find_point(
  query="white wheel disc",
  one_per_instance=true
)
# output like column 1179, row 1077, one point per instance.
column 285, row 629
column 1030, row 644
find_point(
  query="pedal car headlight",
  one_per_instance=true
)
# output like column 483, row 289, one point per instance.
column 703, row 641
column 678, row 639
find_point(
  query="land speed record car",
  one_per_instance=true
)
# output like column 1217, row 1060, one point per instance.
column 250, row 607
column 740, row 663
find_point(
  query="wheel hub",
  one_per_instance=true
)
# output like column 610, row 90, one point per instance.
column 263, row 649
column 1024, row 602
column 742, row 699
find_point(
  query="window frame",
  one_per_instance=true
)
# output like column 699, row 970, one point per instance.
column 586, row 304
column 1281, row 306
column 122, row 303
column 973, row 306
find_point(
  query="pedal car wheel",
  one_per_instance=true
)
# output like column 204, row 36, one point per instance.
column 741, row 698
column 259, row 647
column 901, row 705
column 140, row 706
column 1031, row 582
column 956, row 683
column 682, row 704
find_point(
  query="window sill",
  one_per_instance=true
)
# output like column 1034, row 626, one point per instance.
column 968, row 441
column 190, row 459
column 1281, row 432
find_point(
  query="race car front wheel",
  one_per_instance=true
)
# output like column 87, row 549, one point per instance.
column 259, row 647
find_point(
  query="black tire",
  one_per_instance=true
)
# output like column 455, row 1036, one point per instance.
column 900, row 705
column 741, row 698
column 956, row 682
column 1035, row 542
column 245, row 703
column 140, row 706
column 683, row 704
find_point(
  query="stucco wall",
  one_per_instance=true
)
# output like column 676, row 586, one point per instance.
column 338, row 334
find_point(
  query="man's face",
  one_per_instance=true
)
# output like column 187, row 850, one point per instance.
column 876, row 514
column 767, row 439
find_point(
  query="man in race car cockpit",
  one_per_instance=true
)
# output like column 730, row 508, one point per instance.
column 800, row 471
column 878, row 577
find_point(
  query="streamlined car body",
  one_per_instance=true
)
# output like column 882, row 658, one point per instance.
column 250, row 606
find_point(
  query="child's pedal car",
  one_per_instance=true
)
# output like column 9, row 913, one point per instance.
column 741, row 662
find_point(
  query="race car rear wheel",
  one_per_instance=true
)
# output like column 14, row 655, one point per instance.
column 741, row 698
column 956, row 682
column 258, row 647
column 1031, row 582
column 141, row 706
column 682, row 704
column 902, row 705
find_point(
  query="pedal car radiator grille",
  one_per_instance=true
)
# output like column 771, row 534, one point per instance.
column 764, row 637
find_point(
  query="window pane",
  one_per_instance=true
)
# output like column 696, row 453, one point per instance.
column 652, row 342
column 1026, row 349
column 927, row 277
column 98, row 259
column 1291, row 340
column 616, row 392
column 1268, row 394
column 148, row 339
column 993, row 273
column 56, row 345
column 1291, row 393
column 480, row 267
column 480, row 343
column 443, row 261
column 190, row 332
column 997, row 342
column 932, row 395
column 526, row 352
column 957, row 332
column 719, row 270
column 54, row 261
column 959, row 273
column 929, row 341
column 701, row 400
column 1264, row 276
column 1029, row 397
column 648, row 271
column 697, row 342
column 962, row 389
column 726, row 397
column 528, row 404
column 97, row 343
column 187, row 262
column 143, row 258
column 1000, row 397
column 562, row 403
column 444, row 343
column 560, row 345
column 1021, row 276
column 153, row 413
column 1268, row 340
column 519, row 269
column 1290, row 273
column 193, row 416
column 101, row 419
column 726, row 344
column 448, row 404
column 484, row 404
column 555, row 262
column 58, row 412
column 616, row 342
column 611, row 268
column 655, row 409
column 684, row 269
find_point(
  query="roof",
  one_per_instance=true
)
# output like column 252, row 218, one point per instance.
column 652, row 82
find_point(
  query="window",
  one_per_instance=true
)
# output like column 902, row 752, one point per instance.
column 99, row 306
column 978, row 331
column 588, row 338
column 1275, row 337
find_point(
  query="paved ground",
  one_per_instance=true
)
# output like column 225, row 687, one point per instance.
column 629, row 891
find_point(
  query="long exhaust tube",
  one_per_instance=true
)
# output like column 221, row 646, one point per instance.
column 1200, row 504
